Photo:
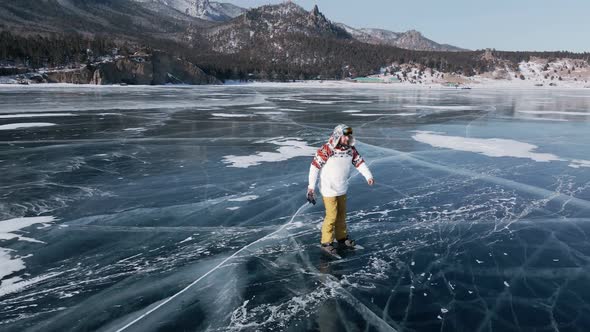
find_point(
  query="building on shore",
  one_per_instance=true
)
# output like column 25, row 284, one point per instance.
column 390, row 79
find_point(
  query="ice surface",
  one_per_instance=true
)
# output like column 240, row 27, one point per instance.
column 183, row 208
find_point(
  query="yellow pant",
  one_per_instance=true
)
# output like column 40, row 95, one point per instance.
column 335, row 220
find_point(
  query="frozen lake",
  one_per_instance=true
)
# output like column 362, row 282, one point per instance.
column 182, row 208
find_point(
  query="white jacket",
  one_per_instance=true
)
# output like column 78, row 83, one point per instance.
column 333, row 163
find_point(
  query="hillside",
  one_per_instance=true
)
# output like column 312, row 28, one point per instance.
column 275, row 42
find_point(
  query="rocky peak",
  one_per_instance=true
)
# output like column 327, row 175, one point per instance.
column 201, row 7
column 413, row 33
column 284, row 8
column 290, row 17
column 272, row 22
column 315, row 11
column 412, row 36
column 317, row 16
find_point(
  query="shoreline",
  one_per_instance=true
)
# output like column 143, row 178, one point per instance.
column 520, row 85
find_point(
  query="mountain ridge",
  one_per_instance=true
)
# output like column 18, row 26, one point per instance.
column 411, row 39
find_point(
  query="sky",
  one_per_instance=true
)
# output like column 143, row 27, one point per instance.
column 509, row 25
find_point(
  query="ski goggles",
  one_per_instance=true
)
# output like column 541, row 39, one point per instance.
column 347, row 131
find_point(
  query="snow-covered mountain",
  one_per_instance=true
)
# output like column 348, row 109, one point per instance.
column 123, row 19
column 203, row 9
column 412, row 39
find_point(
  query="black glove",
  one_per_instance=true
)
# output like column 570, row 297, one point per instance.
column 310, row 197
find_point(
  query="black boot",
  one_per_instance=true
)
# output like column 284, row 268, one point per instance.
column 329, row 248
column 346, row 243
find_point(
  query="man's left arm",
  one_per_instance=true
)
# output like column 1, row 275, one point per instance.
column 361, row 166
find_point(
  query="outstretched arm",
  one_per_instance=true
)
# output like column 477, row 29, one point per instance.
column 362, row 167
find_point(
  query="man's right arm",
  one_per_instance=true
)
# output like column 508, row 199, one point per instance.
column 319, row 160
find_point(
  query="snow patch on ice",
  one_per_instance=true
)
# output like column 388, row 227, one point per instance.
column 442, row 107
column 33, row 115
column 7, row 227
column 288, row 148
column 9, row 261
column 18, row 286
column 190, row 238
column 103, row 114
column 138, row 129
column 270, row 113
column 577, row 163
column 262, row 107
column 11, row 126
column 231, row 115
column 320, row 102
column 291, row 110
column 542, row 119
column 492, row 147
column 243, row 198
column 368, row 114
column 556, row 113
column 9, row 264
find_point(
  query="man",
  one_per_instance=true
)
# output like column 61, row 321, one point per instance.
column 334, row 159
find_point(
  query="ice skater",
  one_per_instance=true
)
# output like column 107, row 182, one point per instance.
column 335, row 159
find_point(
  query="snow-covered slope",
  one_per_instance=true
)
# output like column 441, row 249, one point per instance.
column 116, row 18
column 562, row 72
column 203, row 9
column 557, row 72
